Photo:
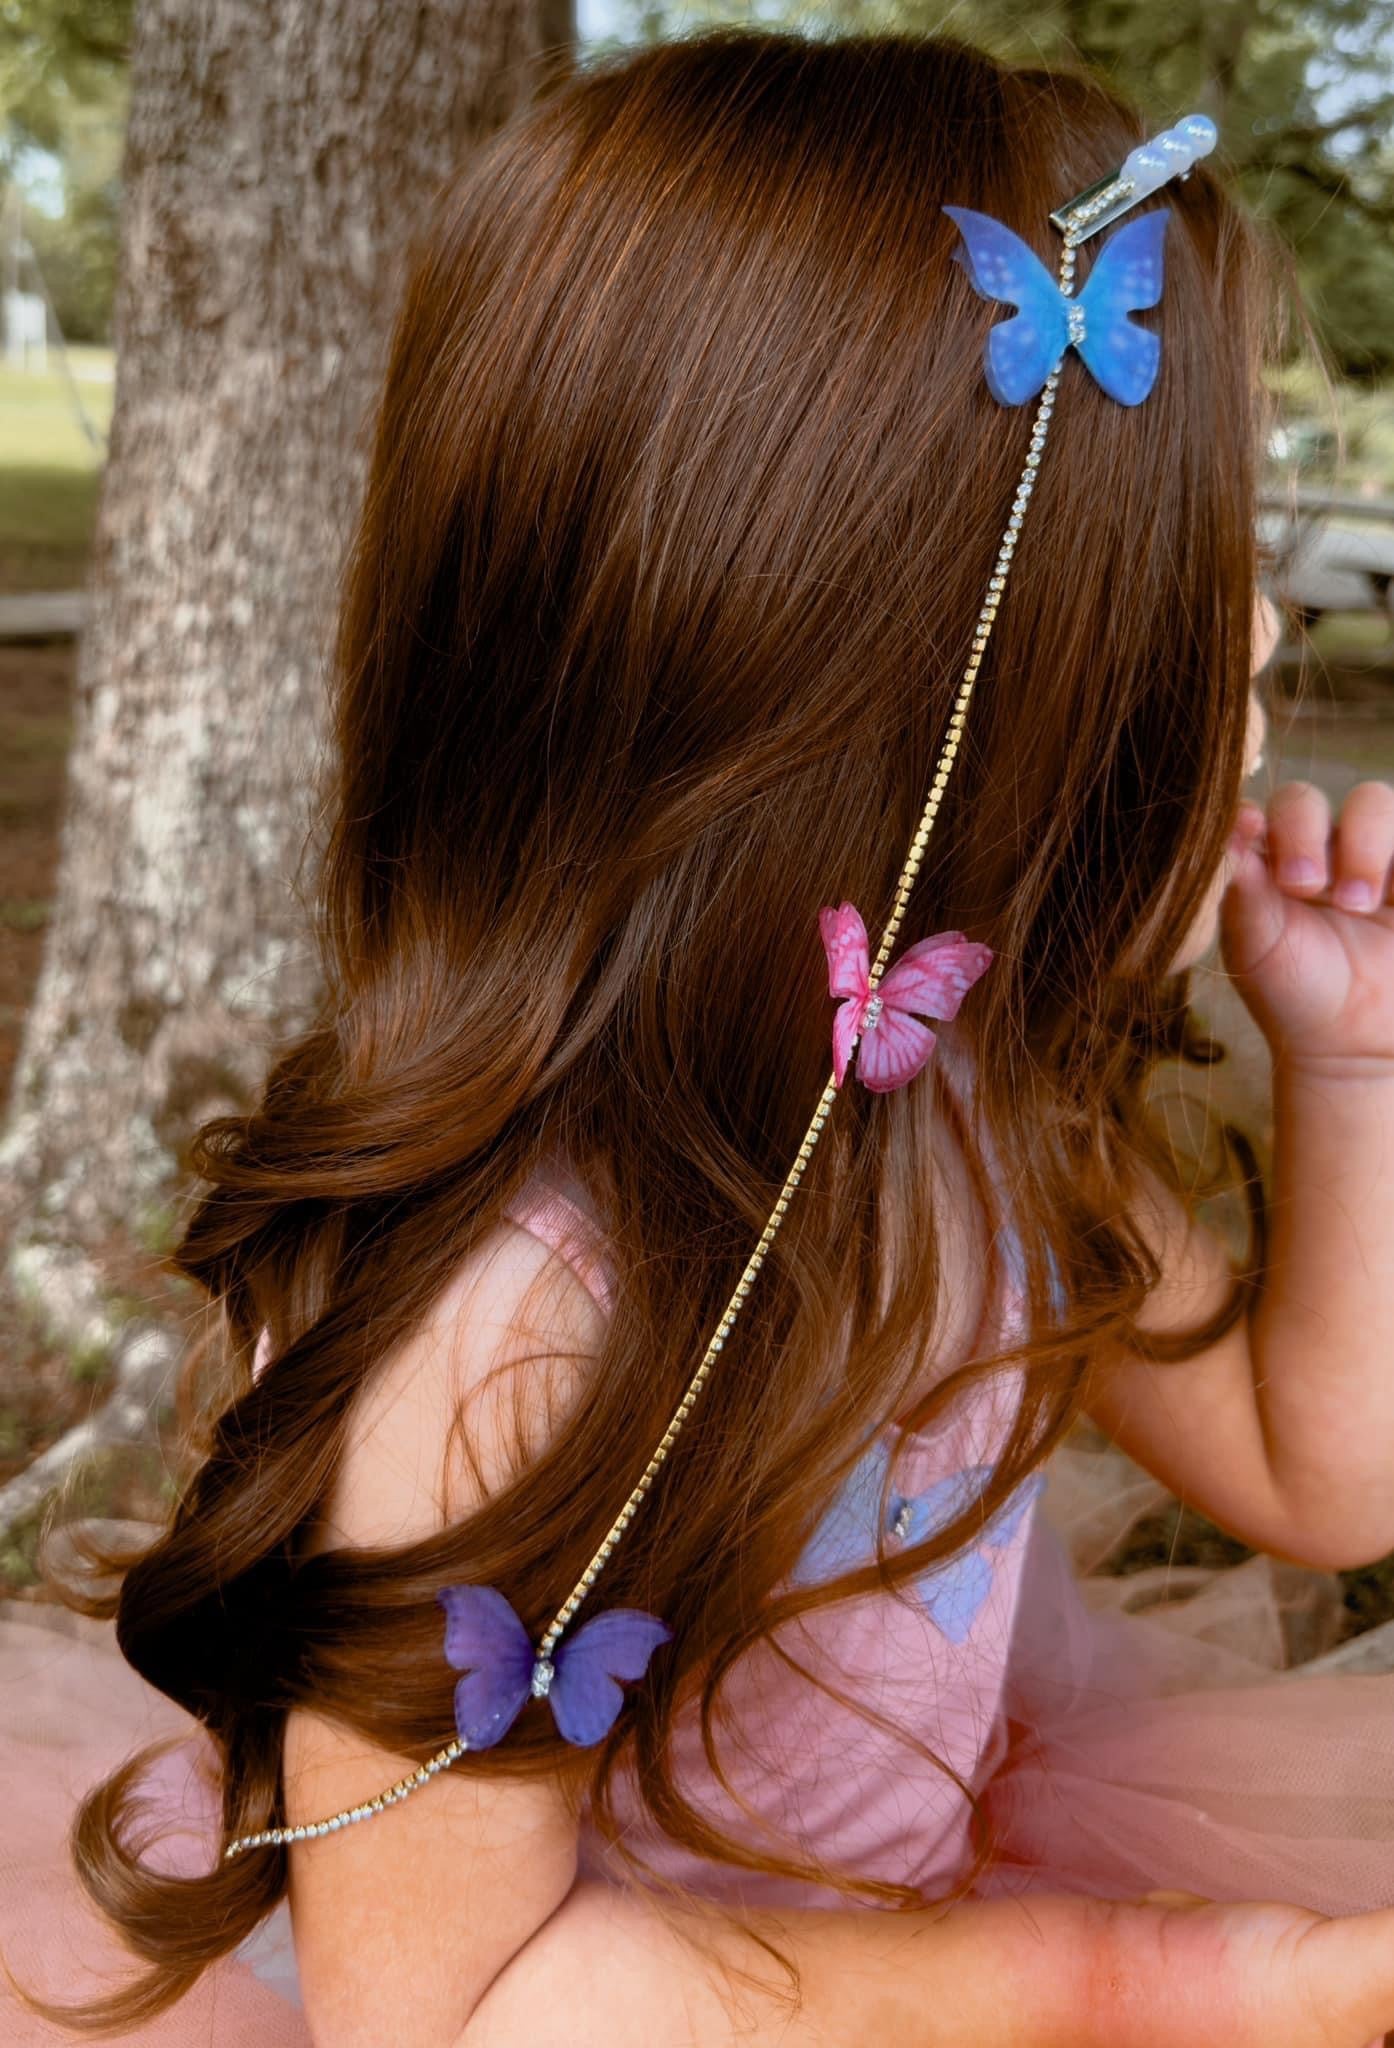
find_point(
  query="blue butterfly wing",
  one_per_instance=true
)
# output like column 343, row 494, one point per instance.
column 846, row 1535
column 584, row 1695
column 954, row 1594
column 1022, row 352
column 1126, row 278
column 485, row 1639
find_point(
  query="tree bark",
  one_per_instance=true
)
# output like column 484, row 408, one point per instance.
column 278, row 154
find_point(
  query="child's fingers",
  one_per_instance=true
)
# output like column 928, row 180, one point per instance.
column 1299, row 833
column 1250, row 826
column 1364, row 847
column 1252, row 914
column 1347, row 1967
column 1258, row 1974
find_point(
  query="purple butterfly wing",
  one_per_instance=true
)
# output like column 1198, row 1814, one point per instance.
column 1021, row 353
column 584, row 1694
column 1127, row 276
column 485, row 1639
column 933, row 976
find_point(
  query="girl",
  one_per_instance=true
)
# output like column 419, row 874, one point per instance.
column 686, row 491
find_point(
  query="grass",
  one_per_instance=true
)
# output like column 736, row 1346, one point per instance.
column 49, row 472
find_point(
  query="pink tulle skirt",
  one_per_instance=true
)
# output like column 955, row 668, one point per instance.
column 1178, row 1747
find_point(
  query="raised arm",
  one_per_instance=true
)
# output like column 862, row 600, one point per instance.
column 1283, row 1432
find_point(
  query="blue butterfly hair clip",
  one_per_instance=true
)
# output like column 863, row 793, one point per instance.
column 1022, row 352
column 1121, row 356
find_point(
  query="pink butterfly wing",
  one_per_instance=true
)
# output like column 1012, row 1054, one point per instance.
column 845, row 943
column 933, row 977
column 847, row 1021
column 893, row 1052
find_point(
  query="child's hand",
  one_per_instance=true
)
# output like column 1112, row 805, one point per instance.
column 1308, row 924
column 1250, row 1976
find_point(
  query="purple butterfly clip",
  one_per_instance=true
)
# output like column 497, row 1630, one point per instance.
column 485, row 1639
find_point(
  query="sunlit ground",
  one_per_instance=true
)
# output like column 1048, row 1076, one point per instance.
column 49, row 469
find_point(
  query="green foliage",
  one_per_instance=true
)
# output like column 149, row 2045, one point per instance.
column 19, row 1558
column 76, row 256
column 89, row 1362
column 63, row 91
column 56, row 55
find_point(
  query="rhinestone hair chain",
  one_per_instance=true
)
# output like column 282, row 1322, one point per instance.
column 1024, row 360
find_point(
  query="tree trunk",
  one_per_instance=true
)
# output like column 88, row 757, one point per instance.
column 279, row 152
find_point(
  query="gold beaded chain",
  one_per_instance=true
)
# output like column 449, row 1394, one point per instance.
column 1079, row 219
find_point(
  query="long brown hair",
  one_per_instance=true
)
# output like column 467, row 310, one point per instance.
column 685, row 489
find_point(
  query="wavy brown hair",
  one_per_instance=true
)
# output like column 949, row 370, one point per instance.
column 685, row 488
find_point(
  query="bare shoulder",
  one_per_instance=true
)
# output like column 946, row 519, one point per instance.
column 468, row 1398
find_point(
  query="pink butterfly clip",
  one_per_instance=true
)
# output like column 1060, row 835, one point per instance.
column 931, row 978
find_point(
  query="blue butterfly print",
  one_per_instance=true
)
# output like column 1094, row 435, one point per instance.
column 1021, row 353
column 953, row 1592
column 485, row 1639
column 846, row 1535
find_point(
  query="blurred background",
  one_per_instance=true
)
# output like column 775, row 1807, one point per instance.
column 200, row 210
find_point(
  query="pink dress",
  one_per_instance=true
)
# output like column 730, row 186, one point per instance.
column 1114, row 1753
